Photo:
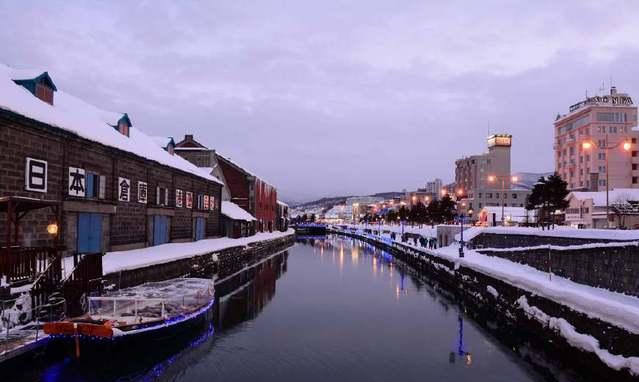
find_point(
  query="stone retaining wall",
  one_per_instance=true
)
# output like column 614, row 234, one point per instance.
column 498, row 240
column 223, row 262
column 610, row 267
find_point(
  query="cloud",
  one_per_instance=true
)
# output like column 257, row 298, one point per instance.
column 334, row 97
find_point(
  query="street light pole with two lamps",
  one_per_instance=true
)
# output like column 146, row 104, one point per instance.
column 606, row 147
column 503, row 178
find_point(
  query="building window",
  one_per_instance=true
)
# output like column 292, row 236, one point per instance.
column 634, row 153
column 634, row 180
column 161, row 196
column 514, row 196
column 95, row 186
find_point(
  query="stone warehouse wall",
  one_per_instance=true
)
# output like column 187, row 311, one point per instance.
column 497, row 240
column 129, row 224
column 614, row 267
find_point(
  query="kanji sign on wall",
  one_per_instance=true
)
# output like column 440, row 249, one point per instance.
column 77, row 182
column 143, row 192
column 124, row 189
column 178, row 198
column 206, row 202
column 189, row 199
column 35, row 178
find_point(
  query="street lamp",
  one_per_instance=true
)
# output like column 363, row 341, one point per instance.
column 503, row 178
column 626, row 145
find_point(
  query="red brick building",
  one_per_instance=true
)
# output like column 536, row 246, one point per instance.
column 241, row 186
column 116, row 187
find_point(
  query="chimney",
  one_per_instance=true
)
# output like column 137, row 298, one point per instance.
column 613, row 90
column 124, row 125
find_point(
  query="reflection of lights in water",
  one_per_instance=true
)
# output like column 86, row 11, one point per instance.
column 374, row 265
column 354, row 255
column 469, row 359
column 341, row 260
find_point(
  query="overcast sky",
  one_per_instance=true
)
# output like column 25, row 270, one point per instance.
column 326, row 98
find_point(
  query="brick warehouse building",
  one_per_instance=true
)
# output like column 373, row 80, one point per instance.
column 117, row 188
column 242, row 187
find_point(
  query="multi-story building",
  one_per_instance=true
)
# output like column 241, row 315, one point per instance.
column 360, row 205
column 115, row 188
column 434, row 187
column 581, row 138
column 421, row 195
column 486, row 180
column 242, row 187
column 473, row 172
column 249, row 192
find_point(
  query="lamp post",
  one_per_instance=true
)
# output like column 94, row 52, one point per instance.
column 606, row 147
column 503, row 178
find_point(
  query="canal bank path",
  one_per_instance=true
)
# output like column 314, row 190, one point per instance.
column 113, row 262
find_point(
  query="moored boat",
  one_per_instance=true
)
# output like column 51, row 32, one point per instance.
column 149, row 311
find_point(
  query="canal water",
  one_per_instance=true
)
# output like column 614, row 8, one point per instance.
column 331, row 309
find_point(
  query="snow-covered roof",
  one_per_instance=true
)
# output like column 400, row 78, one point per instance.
column 235, row 212
column 615, row 196
column 282, row 203
column 163, row 141
column 87, row 121
column 515, row 214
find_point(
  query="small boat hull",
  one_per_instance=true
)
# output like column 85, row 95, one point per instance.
column 91, row 340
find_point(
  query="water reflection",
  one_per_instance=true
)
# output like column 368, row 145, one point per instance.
column 331, row 319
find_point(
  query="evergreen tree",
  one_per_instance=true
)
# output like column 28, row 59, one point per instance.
column 433, row 215
column 447, row 209
column 418, row 213
column 548, row 195
column 403, row 213
column 391, row 216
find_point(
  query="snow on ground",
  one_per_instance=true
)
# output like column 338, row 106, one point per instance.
column 579, row 340
column 616, row 308
column 559, row 231
column 159, row 254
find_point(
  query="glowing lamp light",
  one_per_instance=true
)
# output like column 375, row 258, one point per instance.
column 514, row 179
column 491, row 178
column 627, row 146
column 52, row 229
column 444, row 192
column 586, row 145
column 460, row 192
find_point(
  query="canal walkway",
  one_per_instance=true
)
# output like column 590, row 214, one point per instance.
column 113, row 262
column 614, row 308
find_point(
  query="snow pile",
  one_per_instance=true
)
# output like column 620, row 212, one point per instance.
column 579, row 340
column 19, row 314
column 490, row 289
column 559, row 231
column 139, row 258
column 235, row 212
column 76, row 116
